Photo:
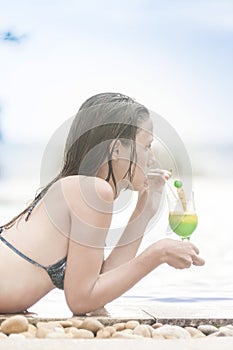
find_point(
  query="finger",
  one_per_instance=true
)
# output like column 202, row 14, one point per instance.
column 160, row 172
column 198, row 261
column 167, row 175
column 157, row 170
column 195, row 248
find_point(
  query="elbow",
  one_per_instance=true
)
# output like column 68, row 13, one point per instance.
column 81, row 309
column 82, row 305
column 77, row 305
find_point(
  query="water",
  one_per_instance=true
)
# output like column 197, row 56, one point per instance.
column 20, row 168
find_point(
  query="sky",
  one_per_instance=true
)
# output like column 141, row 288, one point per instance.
column 174, row 56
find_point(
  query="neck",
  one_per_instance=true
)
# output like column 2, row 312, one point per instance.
column 121, row 184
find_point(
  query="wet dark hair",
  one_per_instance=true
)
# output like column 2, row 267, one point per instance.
column 101, row 120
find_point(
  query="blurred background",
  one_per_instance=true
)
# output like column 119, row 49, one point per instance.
column 175, row 57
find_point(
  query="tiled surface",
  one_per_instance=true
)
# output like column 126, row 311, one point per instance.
column 174, row 313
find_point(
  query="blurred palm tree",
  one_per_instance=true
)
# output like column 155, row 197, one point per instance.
column 9, row 36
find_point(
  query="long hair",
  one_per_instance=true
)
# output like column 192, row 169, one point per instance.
column 101, row 120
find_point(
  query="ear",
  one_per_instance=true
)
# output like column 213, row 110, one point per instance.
column 115, row 148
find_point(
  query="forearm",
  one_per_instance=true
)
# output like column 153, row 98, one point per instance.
column 94, row 289
column 128, row 244
column 112, row 284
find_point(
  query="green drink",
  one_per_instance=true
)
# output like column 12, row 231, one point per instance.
column 183, row 224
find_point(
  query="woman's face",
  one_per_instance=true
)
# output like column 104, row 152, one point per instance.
column 121, row 160
column 145, row 159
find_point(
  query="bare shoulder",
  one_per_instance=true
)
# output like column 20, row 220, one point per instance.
column 87, row 189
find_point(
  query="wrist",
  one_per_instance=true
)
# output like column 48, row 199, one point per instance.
column 161, row 251
column 155, row 255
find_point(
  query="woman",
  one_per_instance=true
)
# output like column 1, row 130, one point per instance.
column 58, row 241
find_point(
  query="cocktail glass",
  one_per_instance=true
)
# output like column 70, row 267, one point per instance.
column 182, row 217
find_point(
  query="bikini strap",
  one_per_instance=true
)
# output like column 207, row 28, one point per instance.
column 19, row 253
column 34, row 204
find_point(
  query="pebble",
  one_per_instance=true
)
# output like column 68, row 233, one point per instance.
column 55, row 335
column 70, row 329
column 172, row 332
column 83, row 333
column 230, row 326
column 50, row 325
column 66, row 323
column 119, row 326
column 207, row 329
column 42, row 332
column 194, row 332
column 77, row 323
column 110, row 329
column 92, row 324
column 17, row 327
column 131, row 324
column 123, row 335
column 143, row 330
column 157, row 325
column 103, row 333
column 28, row 335
column 14, row 324
column 32, row 329
column 224, row 332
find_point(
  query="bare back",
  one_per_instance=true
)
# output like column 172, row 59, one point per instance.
column 41, row 239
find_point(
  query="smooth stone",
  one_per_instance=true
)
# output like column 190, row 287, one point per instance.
column 49, row 325
column 110, row 329
column 82, row 333
column 225, row 332
column 131, row 324
column 28, row 335
column 213, row 335
column 157, row 325
column 194, row 332
column 92, row 324
column 14, row 324
column 66, row 323
column 76, row 322
column 230, row 326
column 42, row 332
column 103, row 334
column 207, row 329
column 172, row 332
column 122, row 335
column 143, row 330
column 59, row 330
column 70, row 329
column 119, row 326
column 32, row 329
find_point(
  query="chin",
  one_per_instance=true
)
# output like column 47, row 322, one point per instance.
column 137, row 187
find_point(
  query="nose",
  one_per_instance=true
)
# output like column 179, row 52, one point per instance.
column 152, row 161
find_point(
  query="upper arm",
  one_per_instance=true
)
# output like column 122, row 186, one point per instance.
column 90, row 202
column 91, row 212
